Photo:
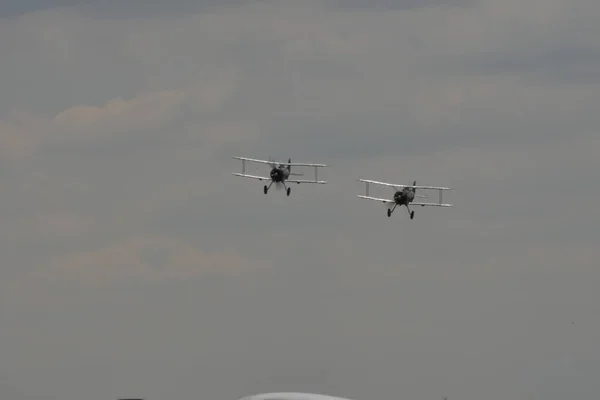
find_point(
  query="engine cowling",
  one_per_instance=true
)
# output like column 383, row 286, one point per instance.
column 399, row 197
column 276, row 175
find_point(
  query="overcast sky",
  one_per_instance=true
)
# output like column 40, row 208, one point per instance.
column 133, row 264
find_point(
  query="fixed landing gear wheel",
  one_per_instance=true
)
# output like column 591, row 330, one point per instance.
column 412, row 214
column 266, row 189
column 288, row 191
column 389, row 213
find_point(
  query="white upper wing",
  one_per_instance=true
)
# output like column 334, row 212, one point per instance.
column 280, row 162
column 402, row 186
column 255, row 160
column 429, row 187
column 303, row 164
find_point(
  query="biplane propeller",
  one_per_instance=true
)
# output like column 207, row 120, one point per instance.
column 404, row 195
column 280, row 173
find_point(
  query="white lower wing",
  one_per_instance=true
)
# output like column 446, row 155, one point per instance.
column 265, row 178
column 305, row 181
column 387, row 201
column 260, row 178
column 431, row 204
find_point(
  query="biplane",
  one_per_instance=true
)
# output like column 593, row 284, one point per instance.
column 404, row 196
column 280, row 173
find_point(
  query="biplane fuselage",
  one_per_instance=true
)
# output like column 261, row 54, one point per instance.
column 403, row 196
column 280, row 173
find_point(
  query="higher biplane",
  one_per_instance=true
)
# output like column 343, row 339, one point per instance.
column 403, row 196
column 280, row 173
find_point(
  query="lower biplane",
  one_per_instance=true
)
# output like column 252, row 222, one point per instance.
column 404, row 196
column 280, row 173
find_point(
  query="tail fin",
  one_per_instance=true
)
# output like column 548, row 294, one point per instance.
column 290, row 168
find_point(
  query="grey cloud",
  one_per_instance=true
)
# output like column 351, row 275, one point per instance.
column 321, row 326
column 116, row 8
column 399, row 4
column 153, row 8
column 560, row 63
column 566, row 378
column 18, row 393
column 134, row 264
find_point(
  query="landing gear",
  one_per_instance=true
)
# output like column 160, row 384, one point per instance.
column 266, row 188
column 411, row 213
column 391, row 210
column 287, row 189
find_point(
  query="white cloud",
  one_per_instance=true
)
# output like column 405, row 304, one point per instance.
column 143, row 110
column 146, row 258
